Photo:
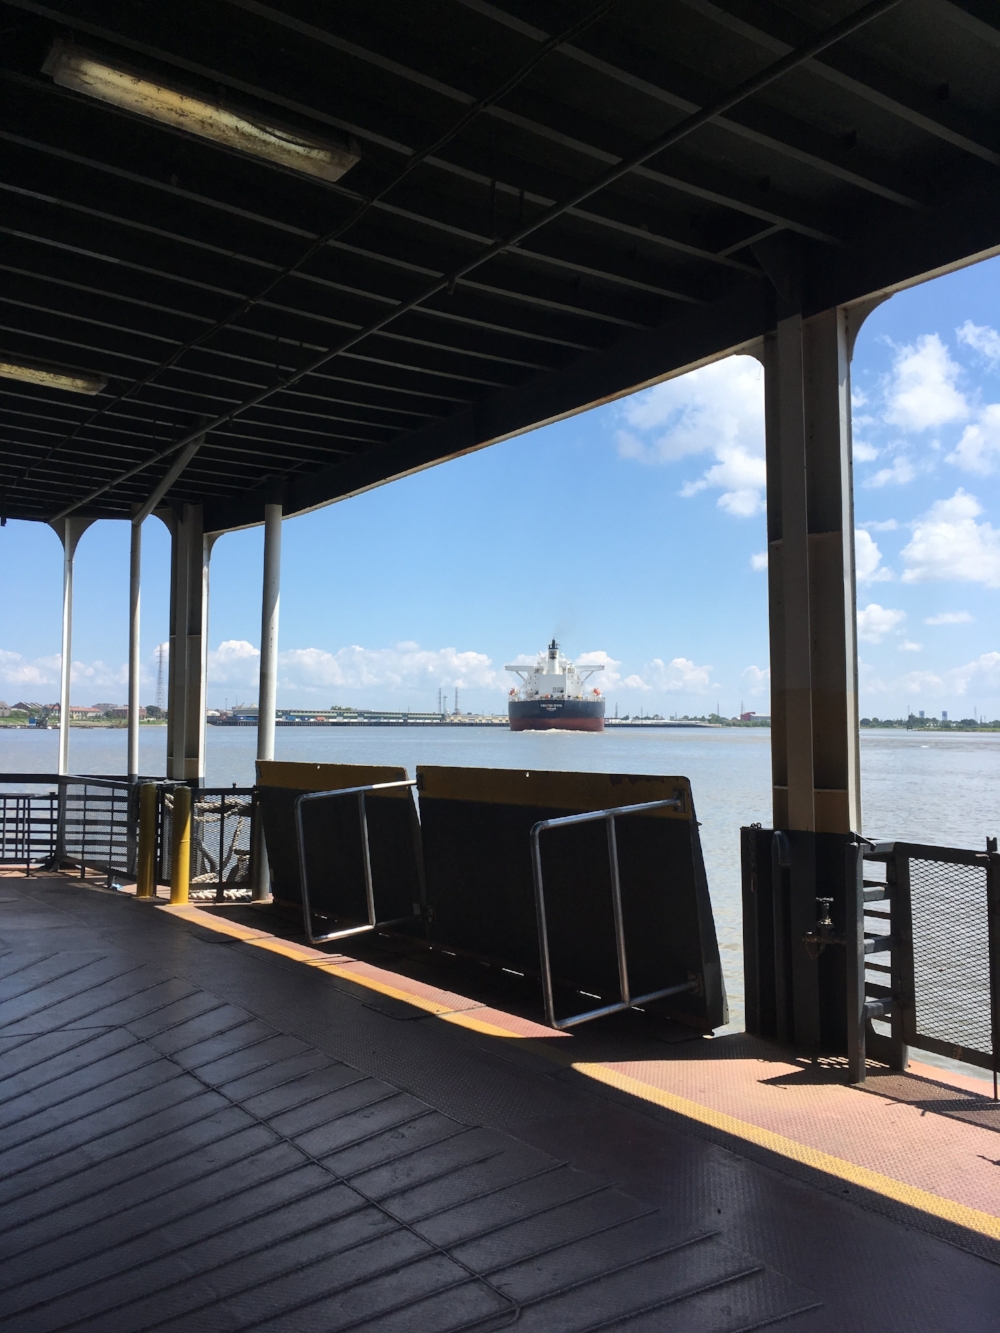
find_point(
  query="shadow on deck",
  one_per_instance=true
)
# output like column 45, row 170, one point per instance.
column 208, row 1125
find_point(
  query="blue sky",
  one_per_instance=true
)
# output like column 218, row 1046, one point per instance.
column 634, row 533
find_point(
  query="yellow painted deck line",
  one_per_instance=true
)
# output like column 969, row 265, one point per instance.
column 219, row 924
column 393, row 992
column 462, row 1018
column 911, row 1196
column 303, row 953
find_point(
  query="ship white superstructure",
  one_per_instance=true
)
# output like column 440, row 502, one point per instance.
column 553, row 676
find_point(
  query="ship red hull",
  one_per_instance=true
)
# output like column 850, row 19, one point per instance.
column 557, row 724
column 548, row 714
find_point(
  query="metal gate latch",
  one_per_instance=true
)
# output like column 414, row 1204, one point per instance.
column 817, row 940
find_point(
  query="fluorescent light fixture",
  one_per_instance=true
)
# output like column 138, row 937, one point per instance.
column 71, row 381
column 72, row 67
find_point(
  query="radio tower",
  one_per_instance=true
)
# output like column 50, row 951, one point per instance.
column 159, row 677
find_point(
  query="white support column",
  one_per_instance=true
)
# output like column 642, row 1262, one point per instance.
column 69, row 530
column 267, row 697
column 810, row 520
column 66, row 654
column 134, row 658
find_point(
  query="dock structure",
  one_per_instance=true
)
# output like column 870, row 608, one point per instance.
column 261, row 258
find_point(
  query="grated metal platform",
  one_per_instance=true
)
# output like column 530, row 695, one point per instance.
column 197, row 1136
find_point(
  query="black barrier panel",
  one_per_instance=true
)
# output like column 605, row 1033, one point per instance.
column 795, row 991
column 759, row 976
column 476, row 827
column 333, row 839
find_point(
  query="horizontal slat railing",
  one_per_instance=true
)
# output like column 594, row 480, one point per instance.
column 90, row 823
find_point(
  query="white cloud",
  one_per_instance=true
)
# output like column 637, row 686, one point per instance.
column 901, row 471
column 864, row 453
column 403, row 667
column 946, row 686
column 679, row 674
column 99, row 675
column 868, row 559
column 42, row 674
column 406, row 665
column 949, row 618
column 609, row 677
column 979, row 448
column 984, row 673
column 742, row 479
column 908, row 646
column 718, row 409
column 982, row 339
column 920, row 682
column 880, row 525
column 922, row 392
column 234, row 662
column 758, row 681
column 875, row 622
column 948, row 543
column 758, row 560
column 15, row 670
column 634, row 682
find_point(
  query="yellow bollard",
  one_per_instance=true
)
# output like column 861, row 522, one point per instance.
column 145, row 880
column 180, row 846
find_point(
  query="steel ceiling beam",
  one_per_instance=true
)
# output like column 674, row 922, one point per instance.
column 525, row 123
column 655, row 92
column 852, row 83
column 364, row 206
column 396, row 147
column 971, row 23
column 196, row 200
column 749, row 88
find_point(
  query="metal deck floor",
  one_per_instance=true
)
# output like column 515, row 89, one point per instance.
column 199, row 1134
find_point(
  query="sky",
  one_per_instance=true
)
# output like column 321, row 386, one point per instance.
column 633, row 533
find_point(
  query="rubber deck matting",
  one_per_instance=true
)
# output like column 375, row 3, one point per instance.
column 198, row 1136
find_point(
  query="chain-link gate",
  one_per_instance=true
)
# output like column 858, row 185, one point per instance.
column 221, row 827
column 937, row 976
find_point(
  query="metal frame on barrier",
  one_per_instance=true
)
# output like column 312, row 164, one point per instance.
column 897, row 999
column 628, row 1001
column 360, row 793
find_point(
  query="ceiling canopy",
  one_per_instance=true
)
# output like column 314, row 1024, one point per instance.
column 309, row 248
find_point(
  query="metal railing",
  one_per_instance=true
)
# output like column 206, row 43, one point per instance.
column 90, row 823
column 627, row 1000
column 80, row 821
column 307, row 911
column 924, row 955
column 28, row 824
column 97, row 827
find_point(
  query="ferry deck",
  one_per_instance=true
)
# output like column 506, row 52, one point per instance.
column 210, row 1125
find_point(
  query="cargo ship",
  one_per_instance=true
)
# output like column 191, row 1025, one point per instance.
column 551, row 696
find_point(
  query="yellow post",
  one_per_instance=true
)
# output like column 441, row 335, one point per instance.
column 180, row 849
column 145, row 880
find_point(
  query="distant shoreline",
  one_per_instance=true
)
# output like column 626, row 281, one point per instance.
column 501, row 724
column 121, row 725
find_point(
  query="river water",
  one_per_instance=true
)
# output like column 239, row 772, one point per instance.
column 935, row 788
